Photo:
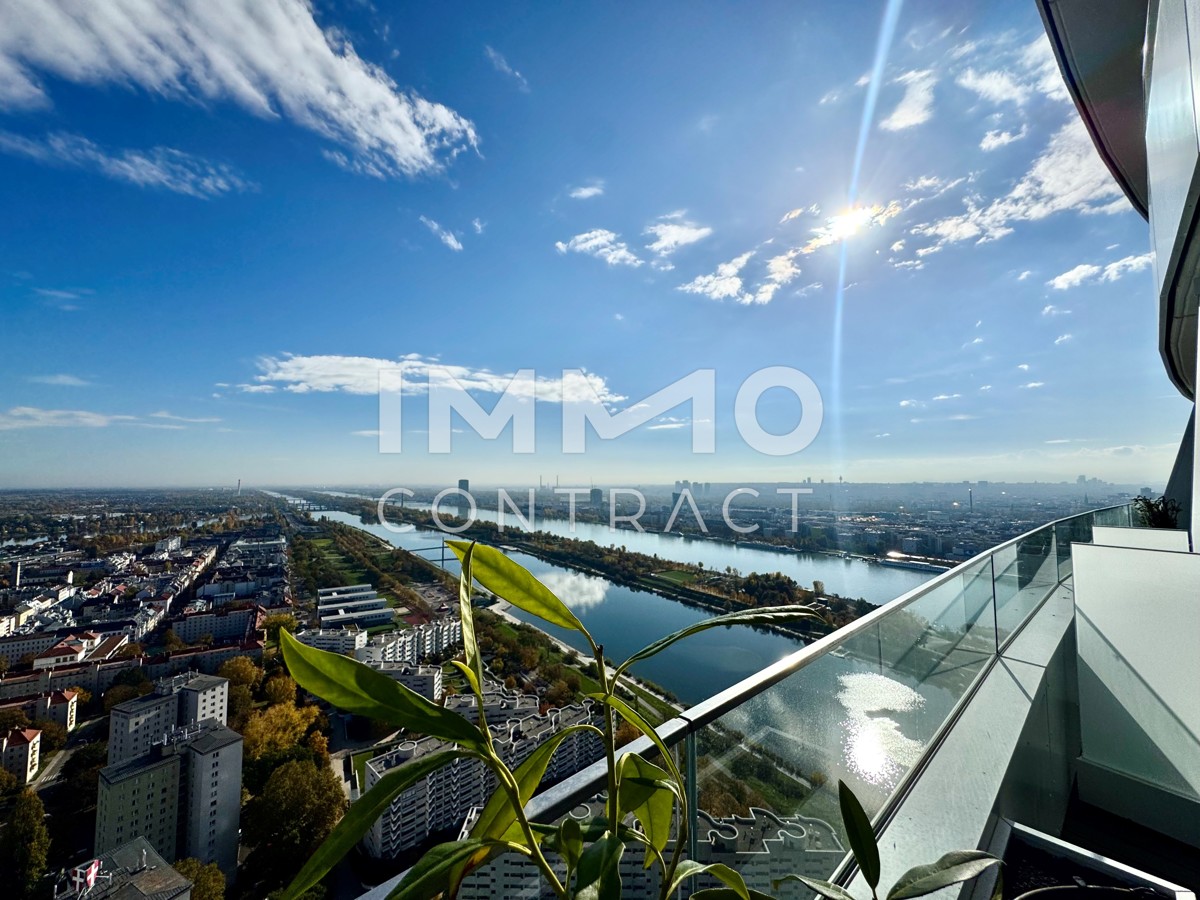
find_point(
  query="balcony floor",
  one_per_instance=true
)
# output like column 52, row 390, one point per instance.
column 1124, row 841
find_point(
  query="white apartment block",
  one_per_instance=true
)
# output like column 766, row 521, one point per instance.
column 443, row 799
column 347, row 641
column 762, row 846
column 21, row 752
column 137, row 724
column 407, row 647
column 424, row 680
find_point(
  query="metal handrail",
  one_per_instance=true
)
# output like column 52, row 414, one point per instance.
column 558, row 799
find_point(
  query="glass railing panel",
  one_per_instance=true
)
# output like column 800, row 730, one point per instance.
column 1116, row 517
column 1026, row 571
column 1075, row 530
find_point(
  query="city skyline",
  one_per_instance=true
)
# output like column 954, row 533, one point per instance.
column 219, row 239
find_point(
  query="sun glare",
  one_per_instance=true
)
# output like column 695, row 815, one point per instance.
column 848, row 223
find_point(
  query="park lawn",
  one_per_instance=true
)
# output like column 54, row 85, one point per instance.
column 677, row 576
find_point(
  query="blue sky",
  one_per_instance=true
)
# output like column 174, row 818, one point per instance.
column 221, row 223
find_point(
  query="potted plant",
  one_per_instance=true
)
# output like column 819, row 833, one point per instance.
column 645, row 807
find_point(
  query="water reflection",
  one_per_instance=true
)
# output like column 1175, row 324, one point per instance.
column 575, row 589
column 876, row 749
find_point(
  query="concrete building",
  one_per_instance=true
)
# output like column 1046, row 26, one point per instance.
column 137, row 724
column 223, row 625
column 443, row 799
column 132, row 871
column 21, row 752
column 425, row 680
column 183, row 796
column 346, row 641
column 55, row 706
column 354, row 605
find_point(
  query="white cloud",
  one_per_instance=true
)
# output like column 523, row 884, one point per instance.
column 602, row 244
column 269, row 57
column 672, row 232
column 59, row 380
column 995, row 139
column 32, row 417
column 478, row 225
column 1074, row 277
column 586, row 192
column 166, row 415
column 1038, row 59
column 500, row 64
column 723, row 284
column 158, row 167
column 256, row 388
column 1033, row 385
column 809, row 289
column 916, row 106
column 1112, row 271
column 1024, row 275
column 898, row 246
column 910, row 403
column 1062, row 339
column 1024, row 367
column 1067, row 175
column 947, row 396
column 985, row 387
column 366, row 433
column 362, row 374
column 443, row 235
column 997, row 87
column 1051, row 310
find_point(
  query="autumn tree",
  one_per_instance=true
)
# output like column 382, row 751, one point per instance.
column 54, row 736
column 208, row 882
column 280, row 689
column 12, row 718
column 298, row 807
column 24, row 844
column 276, row 729
column 240, row 705
column 242, row 671
column 81, row 771
column 119, row 693
column 172, row 641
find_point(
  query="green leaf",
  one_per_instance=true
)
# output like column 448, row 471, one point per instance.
column 953, row 868
column 646, row 791
column 359, row 689
column 470, row 645
column 599, row 873
column 498, row 814
column 362, row 816
column 689, row 868
column 512, row 582
column 570, row 842
column 469, row 674
column 824, row 888
column 774, row 615
column 860, row 834
column 437, row 869
column 633, row 717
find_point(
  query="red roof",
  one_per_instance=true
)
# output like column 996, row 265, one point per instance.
column 23, row 735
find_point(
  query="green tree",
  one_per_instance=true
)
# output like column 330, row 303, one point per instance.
column 277, row 621
column 8, row 782
column 81, row 771
column 25, row 843
column 172, row 641
column 119, row 693
column 241, row 703
column 295, row 812
column 12, row 718
column 208, row 882
column 54, row 736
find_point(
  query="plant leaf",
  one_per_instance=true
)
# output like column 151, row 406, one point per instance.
column 436, row 869
column 512, row 582
column 362, row 815
column 599, row 872
column 775, row 614
column 469, row 674
column 633, row 717
column 689, row 868
column 860, row 834
column 953, row 868
column 727, row 893
column 470, row 645
column 646, row 791
column 570, row 842
column 824, row 888
column 498, row 814
column 359, row 689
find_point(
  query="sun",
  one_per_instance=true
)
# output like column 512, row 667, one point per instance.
column 848, row 223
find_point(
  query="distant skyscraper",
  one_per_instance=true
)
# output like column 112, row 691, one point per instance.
column 596, row 497
column 464, row 485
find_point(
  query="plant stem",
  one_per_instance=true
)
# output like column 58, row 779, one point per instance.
column 514, row 797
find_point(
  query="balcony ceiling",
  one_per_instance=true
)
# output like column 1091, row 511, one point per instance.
column 1099, row 52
